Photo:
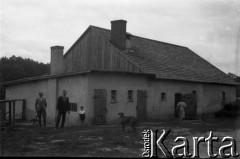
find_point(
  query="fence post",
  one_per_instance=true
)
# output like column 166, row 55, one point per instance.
column 24, row 110
column 13, row 118
column 10, row 113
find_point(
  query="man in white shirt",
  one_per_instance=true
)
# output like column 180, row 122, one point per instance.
column 181, row 109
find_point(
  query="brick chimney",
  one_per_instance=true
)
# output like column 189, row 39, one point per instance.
column 56, row 60
column 118, row 33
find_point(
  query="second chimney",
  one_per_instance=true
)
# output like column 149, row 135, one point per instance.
column 118, row 33
column 56, row 66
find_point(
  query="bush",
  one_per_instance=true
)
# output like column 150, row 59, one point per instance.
column 230, row 109
column 231, row 106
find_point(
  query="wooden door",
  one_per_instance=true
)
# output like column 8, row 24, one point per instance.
column 191, row 102
column 178, row 98
column 141, row 105
column 99, row 106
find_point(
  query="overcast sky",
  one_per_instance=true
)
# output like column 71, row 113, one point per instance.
column 208, row 27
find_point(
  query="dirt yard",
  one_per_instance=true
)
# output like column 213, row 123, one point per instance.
column 106, row 140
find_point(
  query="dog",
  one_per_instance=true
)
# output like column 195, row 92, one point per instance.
column 35, row 119
column 128, row 120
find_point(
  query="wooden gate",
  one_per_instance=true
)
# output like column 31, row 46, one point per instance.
column 191, row 101
column 141, row 105
column 99, row 106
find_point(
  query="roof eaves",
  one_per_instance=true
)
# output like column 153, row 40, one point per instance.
column 30, row 79
column 203, row 82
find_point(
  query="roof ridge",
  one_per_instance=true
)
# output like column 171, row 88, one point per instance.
column 159, row 41
column 143, row 37
column 99, row 27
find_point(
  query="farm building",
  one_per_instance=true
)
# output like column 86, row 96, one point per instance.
column 112, row 71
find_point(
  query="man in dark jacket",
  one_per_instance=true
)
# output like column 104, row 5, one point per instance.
column 40, row 106
column 62, row 108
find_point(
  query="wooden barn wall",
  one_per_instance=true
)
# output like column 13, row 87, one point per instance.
column 78, row 57
column 93, row 52
column 108, row 58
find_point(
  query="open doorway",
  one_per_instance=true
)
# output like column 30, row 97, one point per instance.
column 178, row 97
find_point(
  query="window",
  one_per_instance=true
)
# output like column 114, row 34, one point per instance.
column 73, row 107
column 163, row 96
column 223, row 96
column 113, row 95
column 130, row 95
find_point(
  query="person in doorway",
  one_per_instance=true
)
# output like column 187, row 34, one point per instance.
column 62, row 108
column 181, row 106
column 40, row 106
column 82, row 115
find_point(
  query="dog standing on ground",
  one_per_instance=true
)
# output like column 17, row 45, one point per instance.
column 128, row 120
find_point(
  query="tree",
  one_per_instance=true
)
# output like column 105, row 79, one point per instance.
column 15, row 68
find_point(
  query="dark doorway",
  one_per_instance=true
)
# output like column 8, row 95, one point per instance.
column 141, row 105
column 178, row 97
column 99, row 106
column 191, row 101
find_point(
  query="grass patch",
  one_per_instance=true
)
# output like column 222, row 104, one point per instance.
column 99, row 141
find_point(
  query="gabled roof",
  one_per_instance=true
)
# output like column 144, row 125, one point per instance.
column 159, row 59
column 169, row 61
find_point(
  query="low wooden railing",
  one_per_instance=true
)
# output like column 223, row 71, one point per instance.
column 7, row 116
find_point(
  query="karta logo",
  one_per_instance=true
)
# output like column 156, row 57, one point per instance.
column 152, row 143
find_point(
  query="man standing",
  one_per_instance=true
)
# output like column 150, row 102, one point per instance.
column 181, row 109
column 40, row 106
column 62, row 108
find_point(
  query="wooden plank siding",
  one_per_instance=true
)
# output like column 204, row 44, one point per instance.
column 78, row 56
column 94, row 52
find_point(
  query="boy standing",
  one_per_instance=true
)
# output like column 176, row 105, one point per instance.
column 82, row 114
